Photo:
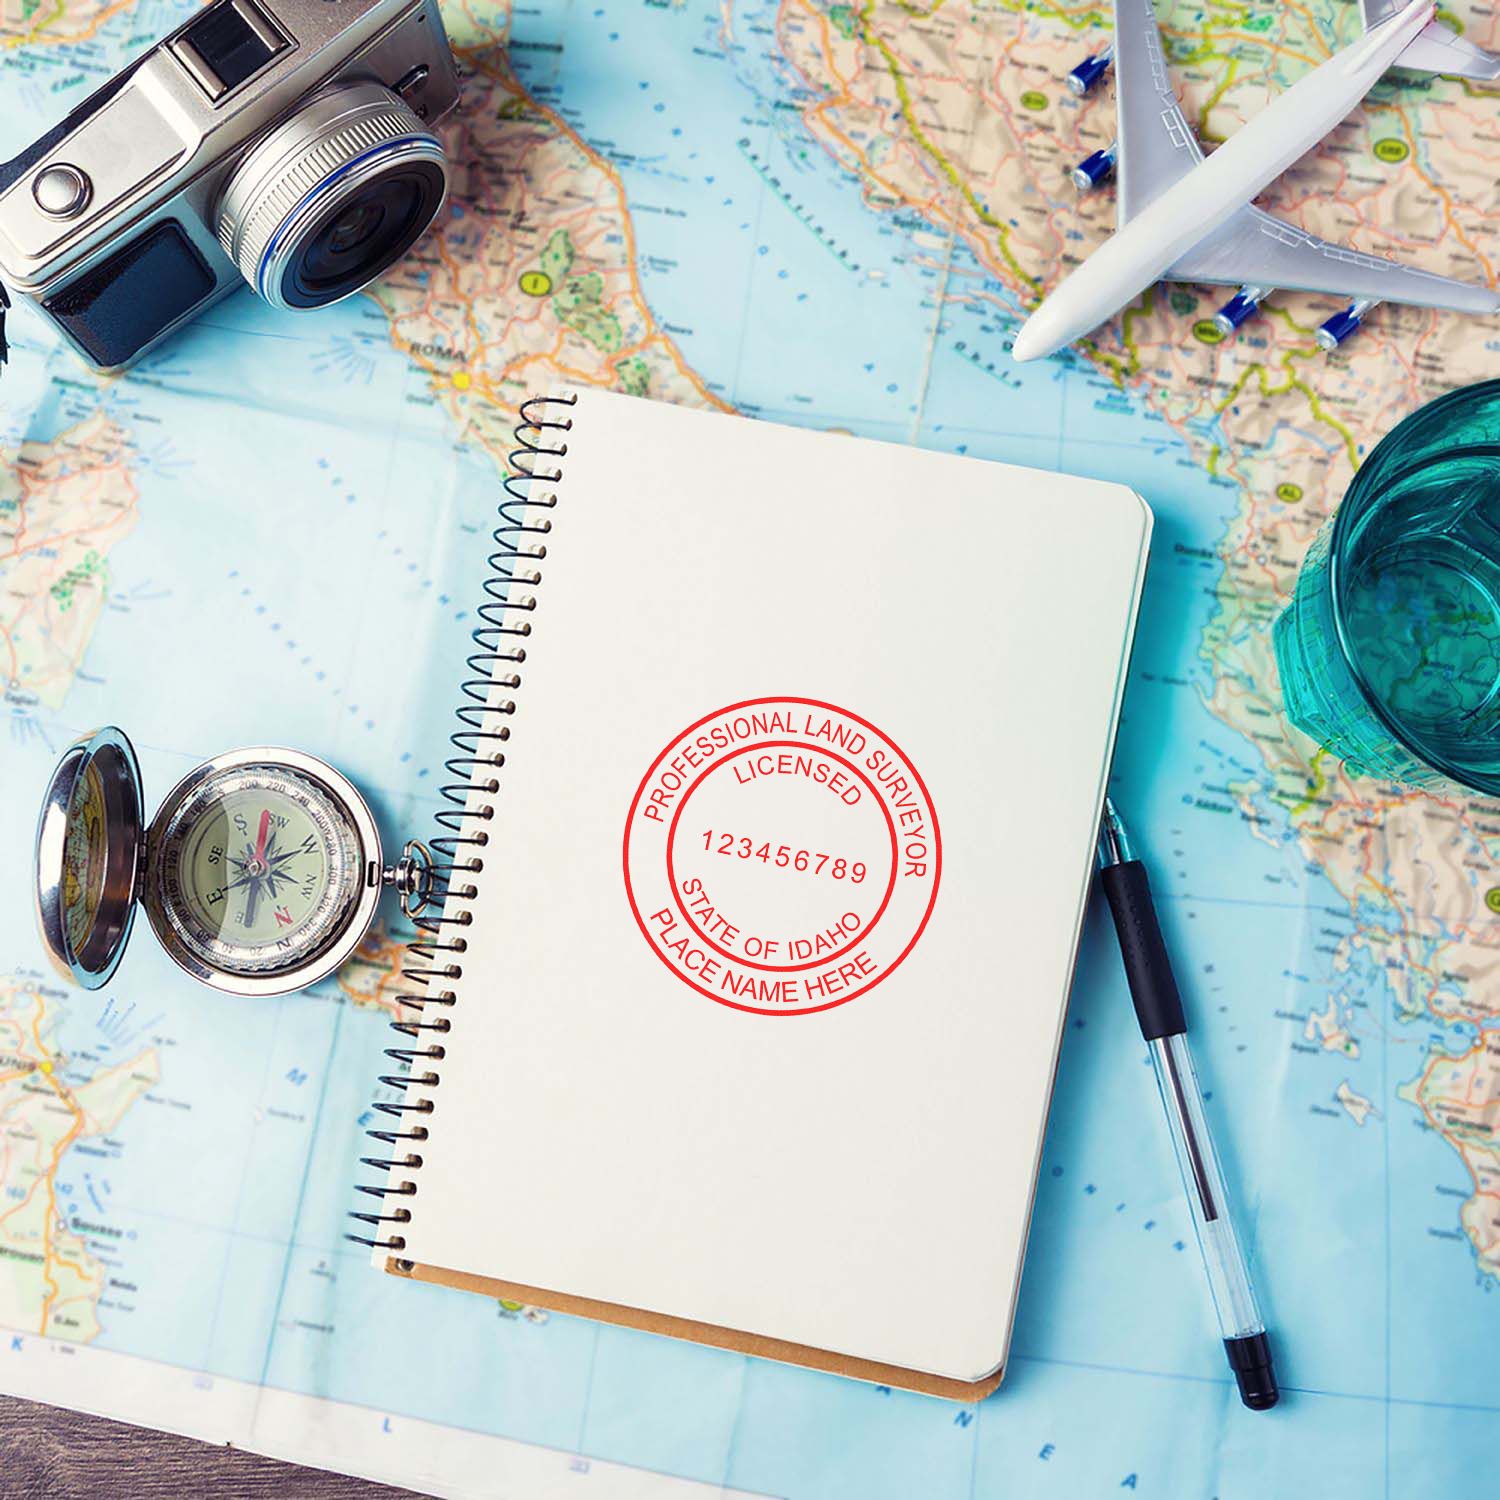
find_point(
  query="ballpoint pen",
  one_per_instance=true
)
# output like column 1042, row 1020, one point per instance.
column 1158, row 1008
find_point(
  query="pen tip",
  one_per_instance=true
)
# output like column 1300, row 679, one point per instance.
column 1114, row 842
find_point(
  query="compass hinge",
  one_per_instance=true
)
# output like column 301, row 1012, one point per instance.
column 411, row 877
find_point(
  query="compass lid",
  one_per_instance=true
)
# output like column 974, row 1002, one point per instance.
column 89, row 843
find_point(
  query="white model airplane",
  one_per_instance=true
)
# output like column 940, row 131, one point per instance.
column 1186, row 217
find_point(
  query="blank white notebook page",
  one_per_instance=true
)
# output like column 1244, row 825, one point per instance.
column 771, row 949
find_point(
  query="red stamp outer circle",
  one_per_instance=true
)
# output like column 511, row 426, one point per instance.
column 846, row 958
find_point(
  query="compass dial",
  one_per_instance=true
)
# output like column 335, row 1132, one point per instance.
column 258, row 870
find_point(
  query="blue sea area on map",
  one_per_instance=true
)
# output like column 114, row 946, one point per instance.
column 230, row 1185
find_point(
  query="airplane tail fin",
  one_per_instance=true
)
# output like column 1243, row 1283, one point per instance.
column 1436, row 49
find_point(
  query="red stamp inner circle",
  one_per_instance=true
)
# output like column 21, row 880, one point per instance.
column 782, row 856
column 762, row 858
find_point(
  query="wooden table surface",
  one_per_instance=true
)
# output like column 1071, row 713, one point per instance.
column 50, row 1454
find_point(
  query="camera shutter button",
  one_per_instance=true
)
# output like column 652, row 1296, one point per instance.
column 61, row 191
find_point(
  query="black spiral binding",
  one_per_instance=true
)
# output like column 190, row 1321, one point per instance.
column 499, row 652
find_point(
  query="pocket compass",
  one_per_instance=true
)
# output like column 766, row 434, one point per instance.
column 260, row 873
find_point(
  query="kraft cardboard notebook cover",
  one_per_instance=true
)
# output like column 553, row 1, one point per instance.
column 741, row 1019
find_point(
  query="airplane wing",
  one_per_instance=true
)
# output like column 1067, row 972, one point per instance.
column 1155, row 145
column 1255, row 249
column 1438, row 50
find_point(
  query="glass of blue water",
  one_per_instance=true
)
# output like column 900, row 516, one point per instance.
column 1389, row 652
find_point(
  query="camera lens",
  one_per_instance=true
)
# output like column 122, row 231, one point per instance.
column 332, row 197
column 354, row 226
column 371, row 230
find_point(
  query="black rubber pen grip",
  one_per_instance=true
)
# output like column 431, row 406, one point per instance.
column 1158, row 1006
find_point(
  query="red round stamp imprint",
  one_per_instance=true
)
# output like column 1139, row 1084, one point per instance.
column 782, row 856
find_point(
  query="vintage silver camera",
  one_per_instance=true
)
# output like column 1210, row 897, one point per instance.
column 283, row 143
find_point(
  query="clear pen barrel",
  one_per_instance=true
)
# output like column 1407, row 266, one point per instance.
column 1202, row 1176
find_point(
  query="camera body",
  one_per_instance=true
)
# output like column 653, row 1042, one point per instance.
column 283, row 143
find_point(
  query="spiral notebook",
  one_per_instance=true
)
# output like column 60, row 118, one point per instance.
column 772, row 824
